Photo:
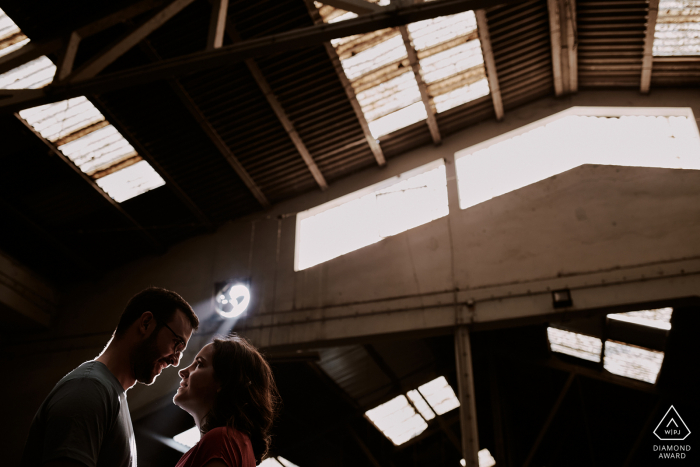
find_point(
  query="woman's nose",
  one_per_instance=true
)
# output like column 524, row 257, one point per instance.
column 183, row 373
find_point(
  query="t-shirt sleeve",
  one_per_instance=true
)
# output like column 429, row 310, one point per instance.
column 77, row 418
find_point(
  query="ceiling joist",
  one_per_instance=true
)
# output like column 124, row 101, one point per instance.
column 564, row 39
column 489, row 62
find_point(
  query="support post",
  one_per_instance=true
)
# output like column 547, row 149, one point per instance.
column 647, row 58
column 467, row 407
column 564, row 39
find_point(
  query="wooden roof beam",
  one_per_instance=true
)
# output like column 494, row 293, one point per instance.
column 123, row 45
column 564, row 40
column 489, row 62
column 647, row 58
column 356, row 6
column 349, row 92
column 217, row 24
column 279, row 111
column 227, row 54
column 415, row 66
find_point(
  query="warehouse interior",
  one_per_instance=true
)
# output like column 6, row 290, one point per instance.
column 467, row 229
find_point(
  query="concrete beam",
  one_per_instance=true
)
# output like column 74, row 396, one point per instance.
column 647, row 58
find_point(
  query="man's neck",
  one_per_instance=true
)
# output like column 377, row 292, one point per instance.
column 117, row 358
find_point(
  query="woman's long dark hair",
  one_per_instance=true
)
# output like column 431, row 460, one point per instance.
column 248, row 397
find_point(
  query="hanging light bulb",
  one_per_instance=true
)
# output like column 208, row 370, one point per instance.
column 232, row 300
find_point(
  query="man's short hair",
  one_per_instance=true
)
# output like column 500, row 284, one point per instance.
column 161, row 302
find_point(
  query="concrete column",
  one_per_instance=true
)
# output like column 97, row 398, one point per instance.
column 467, row 408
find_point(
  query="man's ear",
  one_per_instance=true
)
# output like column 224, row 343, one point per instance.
column 147, row 323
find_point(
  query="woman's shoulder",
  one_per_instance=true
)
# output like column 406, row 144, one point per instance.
column 225, row 434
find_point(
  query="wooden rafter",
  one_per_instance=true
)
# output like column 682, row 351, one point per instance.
column 647, row 58
column 415, row 66
column 124, row 44
column 280, row 113
column 227, row 54
column 350, row 93
column 489, row 62
column 144, row 233
column 217, row 24
column 564, row 40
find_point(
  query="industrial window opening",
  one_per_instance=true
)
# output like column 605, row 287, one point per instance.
column 638, row 137
column 370, row 215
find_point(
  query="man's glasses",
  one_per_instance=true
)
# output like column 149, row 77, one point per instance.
column 181, row 343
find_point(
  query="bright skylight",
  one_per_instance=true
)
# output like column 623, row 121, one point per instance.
column 632, row 362
column 576, row 345
column 77, row 128
column 439, row 395
column 420, row 404
column 371, row 214
column 189, row 437
column 397, row 420
column 677, row 28
column 567, row 140
column 485, row 459
column 657, row 318
column 377, row 65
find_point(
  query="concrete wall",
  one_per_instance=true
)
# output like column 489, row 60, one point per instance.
column 578, row 230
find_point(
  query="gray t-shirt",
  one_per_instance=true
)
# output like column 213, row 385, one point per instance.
column 85, row 418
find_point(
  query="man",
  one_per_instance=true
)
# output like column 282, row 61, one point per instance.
column 85, row 419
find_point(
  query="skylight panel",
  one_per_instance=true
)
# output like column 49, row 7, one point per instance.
column 677, row 29
column 389, row 96
column 375, row 57
column 11, row 37
column 462, row 95
column 452, row 61
column 420, row 404
column 485, row 459
column 526, row 156
column 189, row 437
column 431, row 32
column 439, row 395
column 98, row 150
column 8, row 45
column 632, row 362
column 658, row 318
column 367, row 216
column 61, row 119
column 576, row 345
column 32, row 75
column 397, row 420
column 130, row 182
column 414, row 113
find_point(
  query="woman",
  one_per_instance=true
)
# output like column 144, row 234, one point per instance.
column 231, row 394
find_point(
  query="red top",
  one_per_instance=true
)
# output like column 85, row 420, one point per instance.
column 227, row 444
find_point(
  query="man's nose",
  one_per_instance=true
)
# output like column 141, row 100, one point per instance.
column 175, row 359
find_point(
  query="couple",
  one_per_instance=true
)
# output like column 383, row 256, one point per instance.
column 228, row 389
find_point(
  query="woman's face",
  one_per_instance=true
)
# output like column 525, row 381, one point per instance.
column 198, row 387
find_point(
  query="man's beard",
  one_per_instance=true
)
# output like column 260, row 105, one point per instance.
column 145, row 357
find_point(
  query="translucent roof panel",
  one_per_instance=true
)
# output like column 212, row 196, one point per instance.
column 576, row 345
column 452, row 61
column 677, row 28
column 439, row 395
column 98, row 150
column 11, row 37
column 431, row 32
column 527, row 156
column 8, row 46
column 369, row 215
column 420, row 404
column 389, row 96
column 414, row 113
column 375, row 57
column 397, row 420
column 189, row 437
column 58, row 120
column 130, row 182
column 461, row 95
column 32, row 75
column 632, row 362
column 285, row 462
column 657, row 318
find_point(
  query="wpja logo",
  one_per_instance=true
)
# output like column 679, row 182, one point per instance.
column 672, row 428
